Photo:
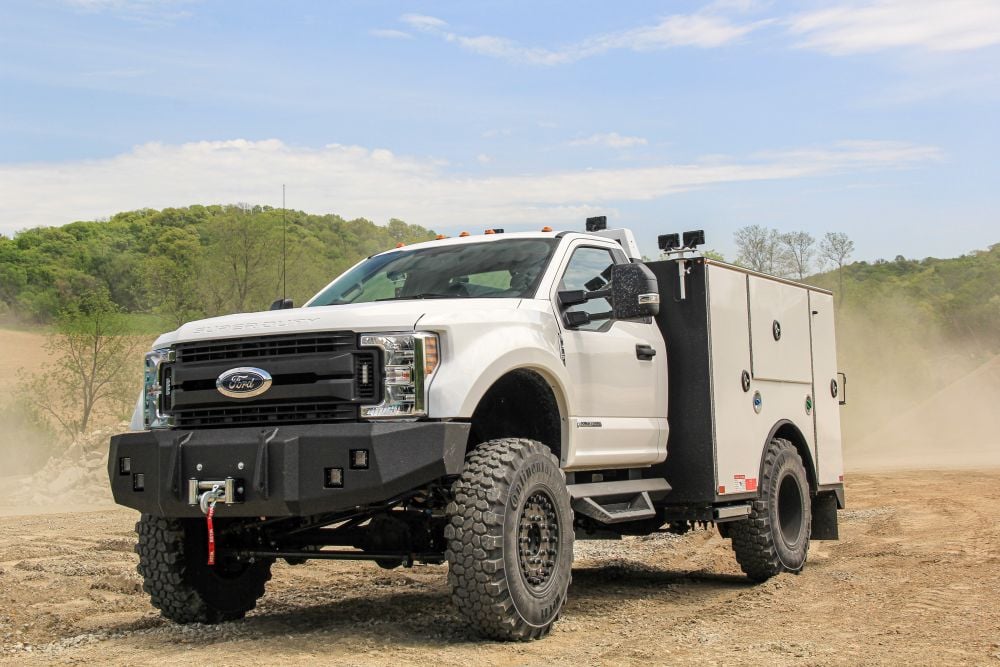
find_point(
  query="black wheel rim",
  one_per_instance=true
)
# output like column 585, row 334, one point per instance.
column 538, row 540
column 790, row 510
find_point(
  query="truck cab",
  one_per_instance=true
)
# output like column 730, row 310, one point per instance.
column 483, row 401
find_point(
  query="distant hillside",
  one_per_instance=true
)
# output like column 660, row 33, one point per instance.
column 183, row 263
column 960, row 296
column 907, row 329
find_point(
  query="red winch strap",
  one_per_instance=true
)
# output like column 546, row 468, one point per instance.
column 211, row 534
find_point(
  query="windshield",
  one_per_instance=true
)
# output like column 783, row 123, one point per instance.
column 507, row 269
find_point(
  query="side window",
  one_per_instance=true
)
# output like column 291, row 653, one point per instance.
column 589, row 269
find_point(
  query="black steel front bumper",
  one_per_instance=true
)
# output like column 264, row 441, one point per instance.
column 282, row 471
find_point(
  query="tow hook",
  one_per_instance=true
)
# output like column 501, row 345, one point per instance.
column 207, row 500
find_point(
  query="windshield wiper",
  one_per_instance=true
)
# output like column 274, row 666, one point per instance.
column 425, row 295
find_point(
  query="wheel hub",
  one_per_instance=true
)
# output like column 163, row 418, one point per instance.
column 538, row 540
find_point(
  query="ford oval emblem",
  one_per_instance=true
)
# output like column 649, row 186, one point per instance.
column 243, row 382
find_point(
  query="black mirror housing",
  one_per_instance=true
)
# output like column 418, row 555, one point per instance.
column 634, row 291
column 281, row 304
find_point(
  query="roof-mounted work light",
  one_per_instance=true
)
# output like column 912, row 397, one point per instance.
column 669, row 241
column 597, row 223
column 694, row 238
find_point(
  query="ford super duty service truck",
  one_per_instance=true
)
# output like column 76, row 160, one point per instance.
column 484, row 401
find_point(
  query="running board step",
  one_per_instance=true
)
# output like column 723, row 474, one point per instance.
column 618, row 502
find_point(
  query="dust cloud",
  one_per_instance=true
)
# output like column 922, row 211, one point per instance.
column 42, row 469
column 918, row 395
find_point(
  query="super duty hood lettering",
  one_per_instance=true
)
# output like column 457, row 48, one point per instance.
column 254, row 326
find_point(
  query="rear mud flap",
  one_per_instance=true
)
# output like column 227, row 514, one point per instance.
column 824, row 517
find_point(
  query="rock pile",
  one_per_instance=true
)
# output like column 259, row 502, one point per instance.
column 78, row 477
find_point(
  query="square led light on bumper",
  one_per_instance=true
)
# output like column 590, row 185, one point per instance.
column 359, row 459
column 333, row 478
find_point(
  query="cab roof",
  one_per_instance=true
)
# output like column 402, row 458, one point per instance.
column 489, row 238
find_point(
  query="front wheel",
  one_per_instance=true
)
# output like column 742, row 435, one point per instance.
column 775, row 537
column 180, row 583
column 510, row 539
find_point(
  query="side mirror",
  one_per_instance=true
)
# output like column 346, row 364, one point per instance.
column 574, row 297
column 281, row 304
column 634, row 292
column 576, row 318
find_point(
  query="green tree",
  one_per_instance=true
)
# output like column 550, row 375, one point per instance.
column 241, row 268
column 171, row 273
column 837, row 248
column 761, row 249
column 800, row 251
column 94, row 368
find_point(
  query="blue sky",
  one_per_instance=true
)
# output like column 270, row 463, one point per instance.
column 878, row 118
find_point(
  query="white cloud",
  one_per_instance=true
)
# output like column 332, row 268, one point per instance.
column 378, row 184
column 422, row 22
column 705, row 29
column 934, row 25
column 610, row 139
column 483, row 158
column 389, row 33
column 702, row 30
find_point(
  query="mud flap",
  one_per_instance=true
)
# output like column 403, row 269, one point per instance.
column 824, row 517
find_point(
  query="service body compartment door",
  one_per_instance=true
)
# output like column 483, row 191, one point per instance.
column 779, row 331
column 826, row 390
column 739, row 432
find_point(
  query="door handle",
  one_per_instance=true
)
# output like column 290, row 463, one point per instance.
column 644, row 352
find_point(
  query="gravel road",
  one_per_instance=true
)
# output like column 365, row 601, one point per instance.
column 914, row 579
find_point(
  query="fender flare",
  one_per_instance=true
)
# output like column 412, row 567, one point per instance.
column 801, row 446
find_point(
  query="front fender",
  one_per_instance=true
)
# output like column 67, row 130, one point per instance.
column 480, row 348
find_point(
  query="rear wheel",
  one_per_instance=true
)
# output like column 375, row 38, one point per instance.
column 510, row 539
column 181, row 584
column 775, row 537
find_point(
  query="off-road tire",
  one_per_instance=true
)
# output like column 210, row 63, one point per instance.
column 775, row 537
column 181, row 584
column 496, row 545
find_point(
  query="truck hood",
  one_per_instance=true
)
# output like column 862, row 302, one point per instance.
column 378, row 316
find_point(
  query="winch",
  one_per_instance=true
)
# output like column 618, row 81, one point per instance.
column 205, row 492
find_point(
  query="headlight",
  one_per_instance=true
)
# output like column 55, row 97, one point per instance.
column 410, row 361
column 156, row 389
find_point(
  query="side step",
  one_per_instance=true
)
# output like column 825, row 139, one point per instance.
column 618, row 502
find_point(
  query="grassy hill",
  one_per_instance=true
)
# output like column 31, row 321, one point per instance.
column 184, row 263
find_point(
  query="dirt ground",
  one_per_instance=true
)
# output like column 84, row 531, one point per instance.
column 914, row 579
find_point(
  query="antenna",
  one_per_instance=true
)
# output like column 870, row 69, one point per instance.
column 284, row 282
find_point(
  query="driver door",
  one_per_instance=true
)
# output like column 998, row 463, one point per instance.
column 618, row 401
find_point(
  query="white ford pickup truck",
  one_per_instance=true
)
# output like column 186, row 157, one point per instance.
column 484, row 401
